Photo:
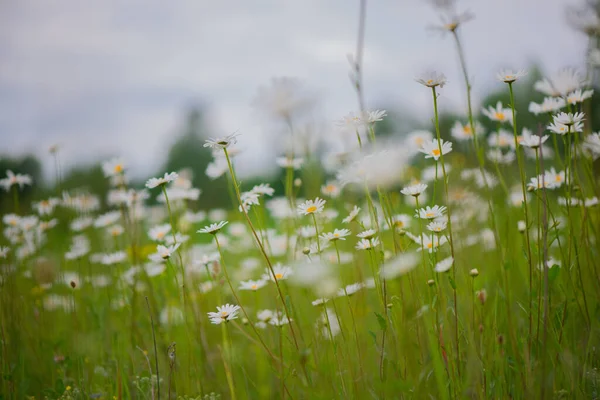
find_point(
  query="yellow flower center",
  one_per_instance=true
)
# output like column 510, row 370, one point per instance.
column 558, row 178
column 451, row 26
column 224, row 313
column 118, row 169
column 254, row 287
column 429, row 245
column 500, row 116
column 429, row 214
column 467, row 130
column 311, row 209
column 419, row 141
column 336, row 235
column 435, row 152
column 279, row 276
column 329, row 188
column 160, row 235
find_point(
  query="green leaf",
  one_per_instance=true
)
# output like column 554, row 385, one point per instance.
column 452, row 283
column 382, row 321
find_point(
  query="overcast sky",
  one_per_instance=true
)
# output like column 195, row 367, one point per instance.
column 115, row 77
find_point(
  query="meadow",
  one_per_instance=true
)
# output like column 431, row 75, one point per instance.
column 434, row 264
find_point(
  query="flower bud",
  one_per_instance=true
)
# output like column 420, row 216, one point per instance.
column 474, row 272
column 521, row 225
column 306, row 251
column 431, row 282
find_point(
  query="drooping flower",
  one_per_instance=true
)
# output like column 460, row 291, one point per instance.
column 352, row 216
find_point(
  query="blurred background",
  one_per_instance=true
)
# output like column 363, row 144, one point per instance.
column 148, row 80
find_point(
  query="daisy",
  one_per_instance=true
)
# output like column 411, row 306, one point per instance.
column 401, row 221
column 164, row 252
column 263, row 189
column 159, row 233
column 352, row 216
column 252, row 285
column 367, row 244
column 213, row 228
column 330, row 189
column 432, row 79
column 592, row 144
column 155, row 182
column 502, row 138
column 222, row 142
column 569, row 119
column 444, row 265
column 497, row 156
column 560, row 84
column 415, row 139
column 375, row 116
column 427, row 242
column 349, row 290
column 107, row 219
column 554, row 179
column 499, row 113
column 311, row 206
column 451, row 21
column 431, row 212
column 113, row 258
column 46, row 207
column 4, row 251
column 337, row 234
column 510, row 76
column 399, row 265
column 414, row 190
column 280, row 272
column 113, row 167
column 368, row 234
column 464, row 132
column 224, row 314
column 434, row 149
column 563, row 129
column 14, row 179
column 437, row 226
column 294, row 163
column 549, row 105
column 533, row 141
column 579, row 96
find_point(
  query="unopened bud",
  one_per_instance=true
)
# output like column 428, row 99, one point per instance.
column 431, row 282
column 73, row 284
column 474, row 272
column 481, row 295
column 306, row 251
column 521, row 225
column 297, row 182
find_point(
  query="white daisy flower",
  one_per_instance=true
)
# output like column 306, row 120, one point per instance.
column 252, row 285
column 155, row 182
column 592, row 144
column 498, row 113
column 222, row 142
column 352, row 216
column 569, row 119
column 349, row 290
column 311, row 206
column 224, row 314
column 213, row 228
column 431, row 212
column 549, row 105
column 464, row 132
column 15, row 179
column 510, row 76
column 414, row 190
column 286, row 162
column 263, row 189
column 331, row 189
column 337, row 234
column 433, row 149
column 562, row 83
column 399, row 265
column 368, row 234
column 164, row 252
column 579, row 96
column 432, row 79
column 367, row 244
column 427, row 242
column 444, row 265
column 160, row 232
column 451, row 21
column 533, row 141
column 113, row 167
column 437, row 226
column 280, row 272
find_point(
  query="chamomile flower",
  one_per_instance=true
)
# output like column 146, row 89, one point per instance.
column 427, row 242
column 592, row 144
column 434, row 149
column 352, row 216
column 549, row 105
column 569, row 119
column 224, row 314
column 337, row 234
column 222, row 142
column 464, row 132
column 432, row 79
column 562, row 129
column 331, row 189
column 286, row 162
column 368, row 234
column 444, row 265
column 155, row 182
column 375, row 116
column 46, row 207
column 280, row 272
column 414, row 190
column 437, row 226
column 213, row 228
column 431, row 212
column 533, row 141
column 560, row 84
column 164, row 252
column 510, row 76
column 160, row 232
column 579, row 96
column 451, row 21
column 252, row 285
column 498, row 113
column 367, row 244
column 13, row 179
column 263, row 189
column 113, row 167
column 311, row 206
column 349, row 290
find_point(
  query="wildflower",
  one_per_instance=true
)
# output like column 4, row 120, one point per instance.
column 14, row 179
column 164, row 252
column 4, row 251
column 331, row 189
column 263, row 189
column 510, row 76
column 401, row 221
column 46, row 207
column 451, row 21
column 549, row 105
column 431, row 212
column 499, row 113
column 474, row 272
column 521, row 226
column 224, row 314
column 222, row 142
column 432, row 79
column 464, row 132
column 352, row 216
column 213, row 228
column 367, row 244
column 562, row 129
column 252, row 285
column 579, row 96
column 155, row 182
column 554, row 179
column 113, row 167
column 337, row 234
column 159, row 233
column 107, row 219
column 569, row 119
column 533, row 141
column 368, row 234
column 502, row 139
column 591, row 143
column 113, row 258
column 497, row 156
column 349, row 290
column 311, row 206
column 444, row 265
column 427, row 242
column 414, row 190
column 280, row 272
column 562, row 83
column 437, row 226
column 320, row 301
column 434, row 148
column 375, row 116
column 399, row 265
column 286, row 162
